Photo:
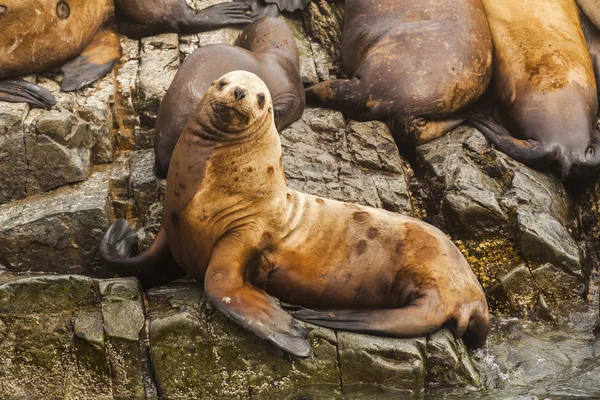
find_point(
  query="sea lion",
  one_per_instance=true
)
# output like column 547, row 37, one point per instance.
column 545, row 87
column 591, row 8
column 415, row 64
column 38, row 35
column 230, row 221
column 266, row 47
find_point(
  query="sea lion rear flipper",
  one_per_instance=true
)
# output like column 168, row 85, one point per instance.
column 247, row 305
column 119, row 249
column 344, row 95
column 421, row 130
column 529, row 152
column 96, row 60
column 21, row 91
column 592, row 37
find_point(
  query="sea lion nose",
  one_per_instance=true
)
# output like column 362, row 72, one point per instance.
column 240, row 93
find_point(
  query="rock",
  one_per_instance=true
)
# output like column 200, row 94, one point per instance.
column 126, row 119
column 52, row 342
column 124, row 323
column 324, row 23
column 544, row 240
column 13, row 157
column 381, row 361
column 515, row 293
column 158, row 53
column 323, row 157
column 143, row 185
column 449, row 363
column 58, row 231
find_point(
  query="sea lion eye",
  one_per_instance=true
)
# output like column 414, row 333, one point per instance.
column 222, row 84
column 63, row 10
column 261, row 100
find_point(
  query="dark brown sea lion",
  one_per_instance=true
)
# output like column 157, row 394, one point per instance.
column 230, row 221
column 266, row 48
column 36, row 35
column 545, row 86
column 415, row 64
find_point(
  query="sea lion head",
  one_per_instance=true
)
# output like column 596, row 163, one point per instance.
column 238, row 100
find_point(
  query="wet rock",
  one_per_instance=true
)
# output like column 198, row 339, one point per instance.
column 516, row 292
column 449, row 363
column 57, row 231
column 381, row 361
column 322, row 156
column 13, row 158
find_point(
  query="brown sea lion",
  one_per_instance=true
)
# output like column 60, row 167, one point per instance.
column 37, row 35
column 545, row 87
column 266, row 48
column 415, row 64
column 230, row 221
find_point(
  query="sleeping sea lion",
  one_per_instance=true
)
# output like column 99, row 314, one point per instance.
column 37, row 35
column 415, row 64
column 230, row 221
column 545, row 87
column 266, row 48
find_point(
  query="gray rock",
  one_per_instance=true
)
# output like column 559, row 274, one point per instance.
column 158, row 54
column 449, row 363
column 544, row 240
column 323, row 157
column 144, row 187
column 126, row 339
column 381, row 361
column 57, row 231
column 13, row 158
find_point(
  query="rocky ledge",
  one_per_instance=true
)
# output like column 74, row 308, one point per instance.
column 69, row 328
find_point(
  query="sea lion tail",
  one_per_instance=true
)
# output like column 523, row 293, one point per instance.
column 119, row 250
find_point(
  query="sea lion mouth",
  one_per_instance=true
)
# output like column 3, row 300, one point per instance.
column 222, row 108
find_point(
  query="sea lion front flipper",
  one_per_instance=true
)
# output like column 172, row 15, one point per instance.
column 96, row 60
column 119, row 249
column 529, row 152
column 247, row 305
column 21, row 91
